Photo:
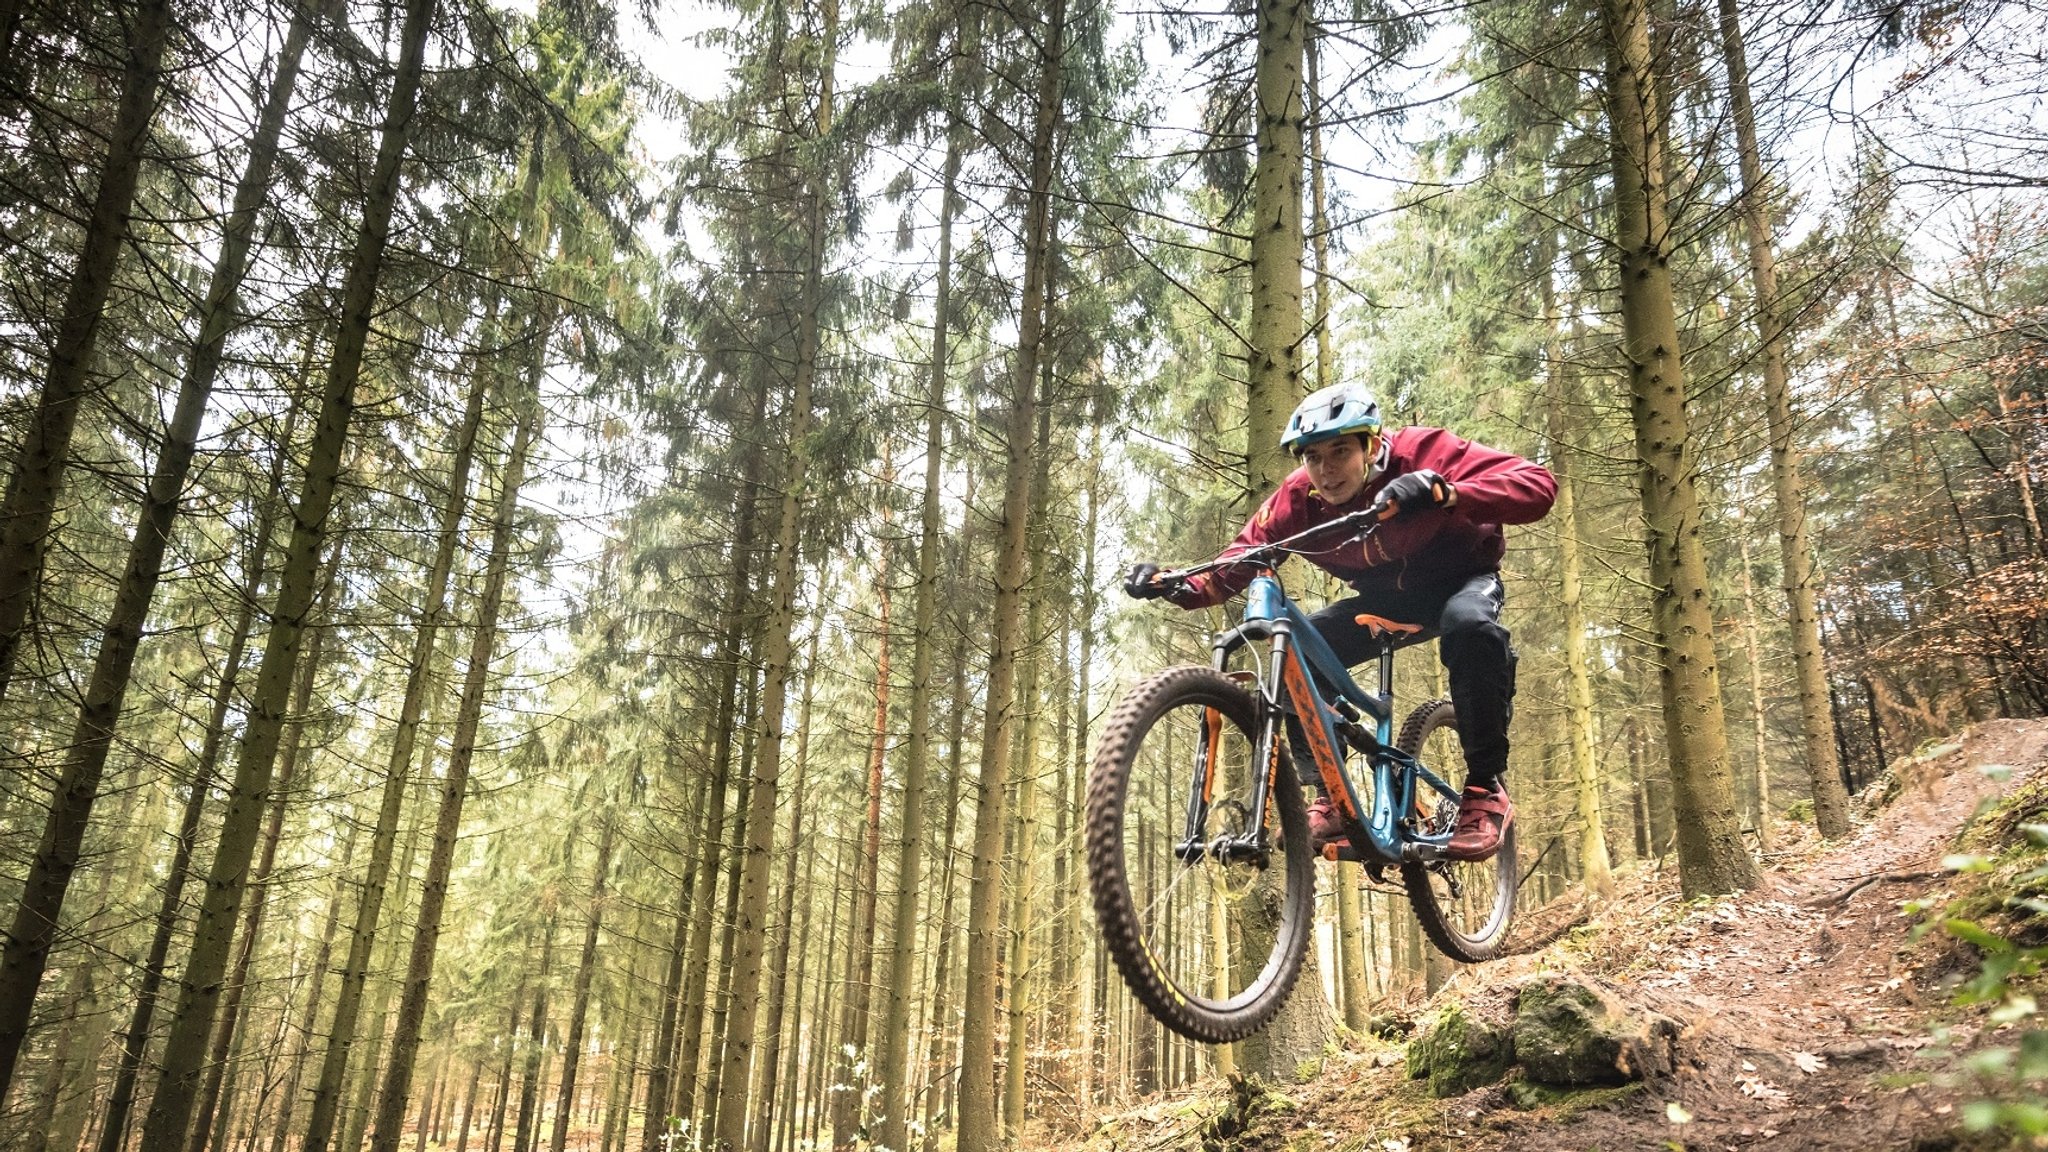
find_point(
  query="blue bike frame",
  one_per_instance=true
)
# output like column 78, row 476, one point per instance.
column 1302, row 660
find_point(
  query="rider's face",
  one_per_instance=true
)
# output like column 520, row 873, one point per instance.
column 1337, row 468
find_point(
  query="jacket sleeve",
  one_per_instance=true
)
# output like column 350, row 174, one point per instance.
column 1494, row 487
column 1273, row 520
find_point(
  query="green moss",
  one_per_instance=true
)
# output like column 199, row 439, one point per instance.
column 1564, row 1103
column 1570, row 1034
column 1998, row 829
column 1459, row 1052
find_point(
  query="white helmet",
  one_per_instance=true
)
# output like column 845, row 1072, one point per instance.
column 1339, row 410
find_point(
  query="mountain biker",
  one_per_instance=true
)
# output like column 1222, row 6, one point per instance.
column 1434, row 561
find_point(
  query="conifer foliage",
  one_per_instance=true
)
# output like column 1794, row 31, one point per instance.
column 558, row 561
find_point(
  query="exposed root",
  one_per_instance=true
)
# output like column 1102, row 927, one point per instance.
column 1842, row 896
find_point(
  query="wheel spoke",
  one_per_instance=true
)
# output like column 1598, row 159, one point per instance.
column 1212, row 945
column 1464, row 906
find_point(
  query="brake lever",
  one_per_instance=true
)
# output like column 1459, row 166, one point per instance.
column 1364, row 523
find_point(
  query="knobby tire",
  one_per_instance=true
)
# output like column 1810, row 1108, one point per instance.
column 1423, row 881
column 1191, row 1012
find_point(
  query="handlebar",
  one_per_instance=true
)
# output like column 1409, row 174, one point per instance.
column 1363, row 523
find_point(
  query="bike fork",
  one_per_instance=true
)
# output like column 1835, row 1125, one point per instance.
column 1251, row 843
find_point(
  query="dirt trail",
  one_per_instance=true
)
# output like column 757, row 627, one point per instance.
column 1809, row 1012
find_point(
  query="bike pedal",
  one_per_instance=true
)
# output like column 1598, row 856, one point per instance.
column 1343, row 853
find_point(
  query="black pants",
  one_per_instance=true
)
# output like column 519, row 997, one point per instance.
column 1465, row 619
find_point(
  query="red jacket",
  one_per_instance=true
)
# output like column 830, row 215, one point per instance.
column 1417, row 550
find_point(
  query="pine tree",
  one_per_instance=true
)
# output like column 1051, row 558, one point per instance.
column 1712, row 858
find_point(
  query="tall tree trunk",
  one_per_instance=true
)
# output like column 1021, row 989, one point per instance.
column 504, row 1094
column 355, row 1120
column 1080, row 1006
column 1712, row 858
column 1350, row 949
column 848, row 1104
column 252, row 926
column 454, row 783
column 36, row 917
column 938, row 1073
column 290, row 1089
column 721, row 1015
column 68, row 1075
column 821, row 1050
column 703, row 897
column 1276, row 321
column 655, row 1119
column 1648, row 846
column 71, row 1102
column 1765, row 838
column 917, row 755
column 1018, row 994
column 526, row 1127
column 579, row 1007
column 476, row 1075
column 750, row 931
column 1319, row 244
column 171, row 1109
column 38, row 475
column 787, row 937
column 618, row 1106
column 980, row 1125
column 423, row 1128
column 1596, row 868
column 1830, row 800
column 1305, row 1023
column 420, row 680
column 121, row 1100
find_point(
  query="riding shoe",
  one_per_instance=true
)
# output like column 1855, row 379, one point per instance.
column 1484, row 816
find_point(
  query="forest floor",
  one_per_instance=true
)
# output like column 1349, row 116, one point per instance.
column 1812, row 1013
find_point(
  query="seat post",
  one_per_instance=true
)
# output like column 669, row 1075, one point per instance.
column 1387, row 668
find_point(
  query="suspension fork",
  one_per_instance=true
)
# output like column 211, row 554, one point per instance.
column 1251, row 843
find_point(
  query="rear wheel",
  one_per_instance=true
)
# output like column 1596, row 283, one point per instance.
column 1465, row 907
column 1209, row 936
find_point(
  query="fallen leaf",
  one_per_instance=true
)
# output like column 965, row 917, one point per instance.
column 1760, row 1089
column 1676, row 1113
column 1808, row 1063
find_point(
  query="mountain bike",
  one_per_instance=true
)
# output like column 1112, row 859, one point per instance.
column 1197, row 834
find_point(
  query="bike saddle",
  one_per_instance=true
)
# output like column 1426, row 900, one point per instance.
column 1381, row 626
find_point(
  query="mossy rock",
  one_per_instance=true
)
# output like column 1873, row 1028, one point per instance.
column 1529, row 1096
column 1568, row 1033
column 1459, row 1052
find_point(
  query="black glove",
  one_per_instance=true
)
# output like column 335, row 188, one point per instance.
column 1143, row 583
column 1411, row 492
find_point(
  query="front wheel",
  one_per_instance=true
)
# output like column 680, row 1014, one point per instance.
column 1209, row 930
column 1465, row 907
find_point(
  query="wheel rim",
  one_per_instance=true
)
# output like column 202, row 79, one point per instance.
column 1213, row 930
column 1474, row 899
